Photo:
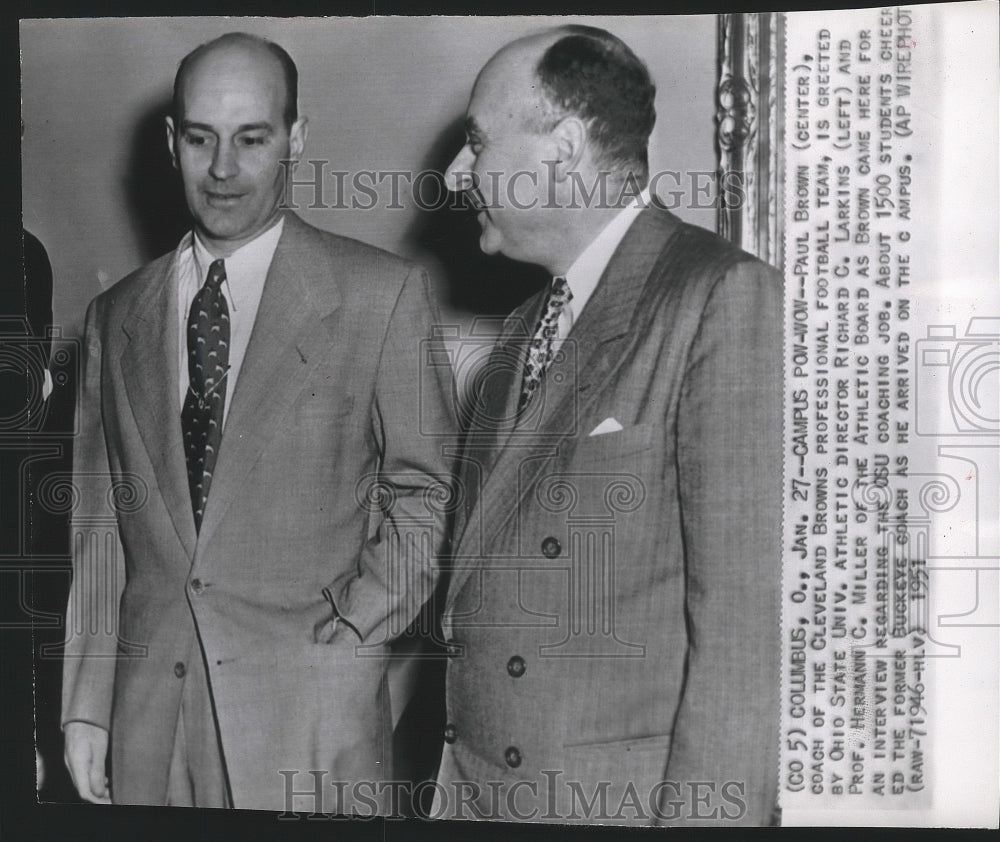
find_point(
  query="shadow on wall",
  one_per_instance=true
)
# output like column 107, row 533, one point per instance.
column 152, row 186
column 448, row 236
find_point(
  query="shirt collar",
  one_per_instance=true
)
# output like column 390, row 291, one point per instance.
column 587, row 269
column 251, row 257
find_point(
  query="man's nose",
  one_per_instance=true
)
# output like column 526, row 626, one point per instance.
column 458, row 175
column 224, row 162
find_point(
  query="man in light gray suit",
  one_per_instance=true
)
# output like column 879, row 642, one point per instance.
column 247, row 412
column 613, row 614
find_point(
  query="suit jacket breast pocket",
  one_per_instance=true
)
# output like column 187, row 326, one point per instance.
column 628, row 443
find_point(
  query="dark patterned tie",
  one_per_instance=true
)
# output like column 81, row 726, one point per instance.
column 208, row 364
column 540, row 352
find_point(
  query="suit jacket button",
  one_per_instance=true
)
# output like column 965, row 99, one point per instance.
column 515, row 666
column 197, row 586
column 551, row 547
column 179, row 669
column 513, row 757
column 452, row 649
column 450, row 733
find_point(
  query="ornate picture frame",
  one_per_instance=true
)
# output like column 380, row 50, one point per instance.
column 750, row 132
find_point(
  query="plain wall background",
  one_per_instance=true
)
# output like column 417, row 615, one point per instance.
column 380, row 93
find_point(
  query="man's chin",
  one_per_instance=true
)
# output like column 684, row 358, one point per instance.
column 228, row 226
column 219, row 223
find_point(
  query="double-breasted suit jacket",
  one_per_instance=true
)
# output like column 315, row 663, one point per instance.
column 613, row 616
column 321, row 477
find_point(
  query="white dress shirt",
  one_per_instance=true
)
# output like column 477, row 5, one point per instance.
column 587, row 269
column 246, row 271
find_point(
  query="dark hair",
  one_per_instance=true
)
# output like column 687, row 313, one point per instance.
column 288, row 69
column 594, row 75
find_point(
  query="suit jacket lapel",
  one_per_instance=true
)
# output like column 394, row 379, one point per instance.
column 150, row 371
column 513, row 347
column 495, row 394
column 290, row 337
column 592, row 352
column 600, row 335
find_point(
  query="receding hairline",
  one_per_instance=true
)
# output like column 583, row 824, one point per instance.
column 539, row 41
column 522, row 76
column 252, row 46
column 529, row 49
column 536, row 42
column 532, row 48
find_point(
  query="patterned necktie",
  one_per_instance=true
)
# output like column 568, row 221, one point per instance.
column 208, row 364
column 540, row 352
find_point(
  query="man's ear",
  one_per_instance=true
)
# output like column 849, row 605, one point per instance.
column 172, row 140
column 297, row 137
column 570, row 136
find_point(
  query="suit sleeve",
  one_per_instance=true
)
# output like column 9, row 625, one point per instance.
column 415, row 426
column 98, row 559
column 729, row 440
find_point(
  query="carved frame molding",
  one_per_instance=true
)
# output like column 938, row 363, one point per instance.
column 750, row 132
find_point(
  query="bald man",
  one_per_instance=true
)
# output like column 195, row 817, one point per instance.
column 613, row 615
column 246, row 426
